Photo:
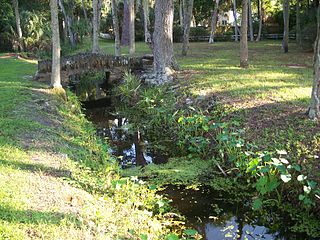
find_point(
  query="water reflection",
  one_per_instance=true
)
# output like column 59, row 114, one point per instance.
column 235, row 229
column 215, row 216
column 127, row 145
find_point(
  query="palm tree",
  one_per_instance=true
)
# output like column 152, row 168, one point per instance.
column 55, row 75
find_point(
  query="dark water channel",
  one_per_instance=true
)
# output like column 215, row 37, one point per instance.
column 213, row 214
column 216, row 216
column 129, row 148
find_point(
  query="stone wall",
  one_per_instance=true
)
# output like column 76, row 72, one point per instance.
column 93, row 62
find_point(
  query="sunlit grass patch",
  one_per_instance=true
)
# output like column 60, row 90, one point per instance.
column 56, row 176
column 267, row 77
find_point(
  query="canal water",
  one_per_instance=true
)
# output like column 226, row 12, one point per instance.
column 213, row 214
column 216, row 216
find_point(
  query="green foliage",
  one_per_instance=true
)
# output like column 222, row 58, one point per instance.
column 81, row 29
column 36, row 31
column 191, row 134
column 7, row 21
column 305, row 222
column 203, row 9
column 309, row 34
column 149, row 110
column 270, row 172
column 87, row 83
column 176, row 130
column 194, row 32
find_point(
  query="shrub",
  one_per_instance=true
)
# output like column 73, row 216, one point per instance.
column 7, row 33
column 36, row 31
column 309, row 34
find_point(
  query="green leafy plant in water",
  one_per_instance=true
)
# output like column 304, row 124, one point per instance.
column 271, row 172
column 150, row 110
column 192, row 134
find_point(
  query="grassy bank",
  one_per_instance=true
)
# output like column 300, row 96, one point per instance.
column 56, row 179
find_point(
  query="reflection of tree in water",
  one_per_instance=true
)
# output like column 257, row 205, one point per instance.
column 140, row 160
column 240, row 222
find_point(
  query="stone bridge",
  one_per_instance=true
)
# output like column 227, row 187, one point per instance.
column 94, row 62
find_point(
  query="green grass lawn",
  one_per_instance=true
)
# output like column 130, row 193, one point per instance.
column 269, row 97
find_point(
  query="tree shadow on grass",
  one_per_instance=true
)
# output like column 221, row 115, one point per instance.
column 12, row 215
column 36, row 167
column 276, row 122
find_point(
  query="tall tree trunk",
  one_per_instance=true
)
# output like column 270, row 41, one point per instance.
column 55, row 75
column 146, row 21
column 95, row 23
column 236, row 28
column 314, row 109
column 214, row 21
column 99, row 14
column 285, row 41
column 68, row 23
column 116, row 30
column 250, row 21
column 125, row 24
column 244, row 35
column 84, row 11
column 188, row 7
column 18, row 24
column 181, row 7
column 132, row 47
column 260, row 2
column 298, row 25
column 163, row 40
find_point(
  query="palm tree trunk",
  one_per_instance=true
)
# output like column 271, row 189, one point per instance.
column 236, row 28
column 298, row 25
column 146, row 21
column 163, row 41
column 18, row 24
column 125, row 24
column 132, row 47
column 244, row 35
column 314, row 109
column 55, row 75
column 285, row 41
column 188, row 7
column 95, row 25
column 84, row 11
column 116, row 30
column 214, row 21
column 181, row 7
column 250, row 21
column 68, row 23
column 260, row 2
